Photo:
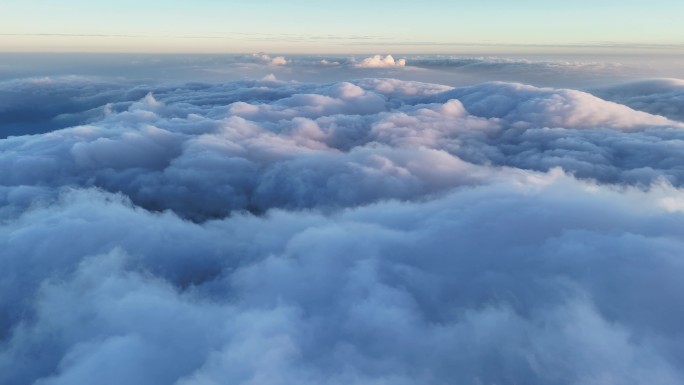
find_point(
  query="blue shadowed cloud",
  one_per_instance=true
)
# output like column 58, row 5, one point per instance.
column 358, row 229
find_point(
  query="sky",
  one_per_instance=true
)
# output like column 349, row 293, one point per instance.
column 354, row 26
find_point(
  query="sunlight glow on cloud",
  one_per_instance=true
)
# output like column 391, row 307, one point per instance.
column 378, row 61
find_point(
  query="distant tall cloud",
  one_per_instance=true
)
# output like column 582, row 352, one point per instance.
column 378, row 61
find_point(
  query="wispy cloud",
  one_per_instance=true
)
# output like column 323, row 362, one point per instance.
column 243, row 35
column 599, row 44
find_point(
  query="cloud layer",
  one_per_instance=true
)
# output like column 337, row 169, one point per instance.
column 375, row 231
column 549, row 71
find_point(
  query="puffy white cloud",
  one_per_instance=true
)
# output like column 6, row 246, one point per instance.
column 364, row 232
column 529, row 106
column 394, row 87
column 378, row 61
column 279, row 61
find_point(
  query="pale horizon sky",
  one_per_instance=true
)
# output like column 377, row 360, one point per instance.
column 353, row 26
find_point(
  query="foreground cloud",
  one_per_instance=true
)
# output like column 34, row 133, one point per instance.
column 412, row 292
column 365, row 232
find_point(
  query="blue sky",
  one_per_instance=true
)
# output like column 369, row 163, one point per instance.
column 350, row 26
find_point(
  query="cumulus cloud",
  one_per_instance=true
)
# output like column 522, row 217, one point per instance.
column 267, row 59
column 305, row 146
column 279, row 61
column 361, row 232
column 546, row 107
column 378, row 61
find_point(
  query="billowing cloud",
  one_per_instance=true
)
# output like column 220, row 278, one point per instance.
column 36, row 105
column 659, row 96
column 362, row 232
column 517, row 280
